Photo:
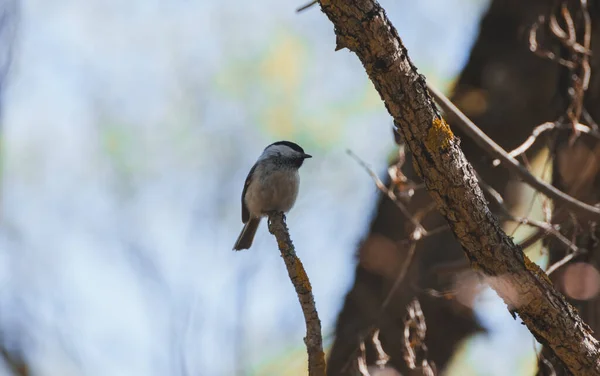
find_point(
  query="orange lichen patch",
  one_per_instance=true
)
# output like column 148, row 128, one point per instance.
column 301, row 275
column 534, row 268
column 281, row 244
column 439, row 135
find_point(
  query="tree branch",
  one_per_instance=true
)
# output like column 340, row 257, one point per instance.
column 15, row 364
column 363, row 27
column 313, row 339
column 492, row 148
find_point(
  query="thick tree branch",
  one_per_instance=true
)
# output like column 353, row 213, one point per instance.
column 363, row 27
column 313, row 339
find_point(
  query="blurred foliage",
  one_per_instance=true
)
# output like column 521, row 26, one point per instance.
column 275, row 81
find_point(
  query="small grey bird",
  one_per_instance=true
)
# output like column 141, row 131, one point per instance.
column 272, row 185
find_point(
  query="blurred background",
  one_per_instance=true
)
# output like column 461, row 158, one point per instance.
column 128, row 129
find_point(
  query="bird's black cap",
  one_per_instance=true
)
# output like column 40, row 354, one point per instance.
column 289, row 144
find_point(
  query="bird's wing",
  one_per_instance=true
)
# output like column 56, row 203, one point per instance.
column 245, row 212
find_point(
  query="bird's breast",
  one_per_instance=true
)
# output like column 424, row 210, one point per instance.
column 275, row 191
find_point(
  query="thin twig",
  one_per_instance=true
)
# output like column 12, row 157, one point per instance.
column 534, row 238
column 549, row 365
column 552, row 268
column 590, row 120
column 548, row 230
column 536, row 49
column 419, row 230
column 313, row 339
column 548, row 126
column 579, row 75
column 530, row 140
column 577, row 57
column 382, row 357
column 306, row 6
column 400, row 277
column 488, row 145
column 362, row 361
column 546, row 227
column 16, row 365
column 415, row 330
column 543, row 361
column 419, row 233
column 435, row 231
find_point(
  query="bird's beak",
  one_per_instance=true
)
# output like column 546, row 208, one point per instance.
column 306, row 156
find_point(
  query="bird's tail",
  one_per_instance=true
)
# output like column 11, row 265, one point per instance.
column 244, row 241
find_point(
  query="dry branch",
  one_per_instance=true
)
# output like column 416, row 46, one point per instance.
column 584, row 210
column 15, row 364
column 313, row 339
column 363, row 27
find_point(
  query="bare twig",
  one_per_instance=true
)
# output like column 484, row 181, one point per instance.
column 401, row 274
column 362, row 360
column 548, row 364
column 306, row 6
column 415, row 350
column 533, row 238
column 436, row 231
column 382, row 356
column 546, row 227
column 549, row 126
column 492, row 148
column 575, row 56
column 552, row 268
column 313, row 339
column 17, row 366
column 446, row 294
column 542, row 52
column 530, row 140
column 419, row 231
column 590, row 120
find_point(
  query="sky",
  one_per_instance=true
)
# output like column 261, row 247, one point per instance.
column 129, row 128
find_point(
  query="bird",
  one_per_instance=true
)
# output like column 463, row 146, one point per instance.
column 271, row 186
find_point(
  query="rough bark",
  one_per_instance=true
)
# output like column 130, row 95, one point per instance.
column 313, row 339
column 363, row 27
